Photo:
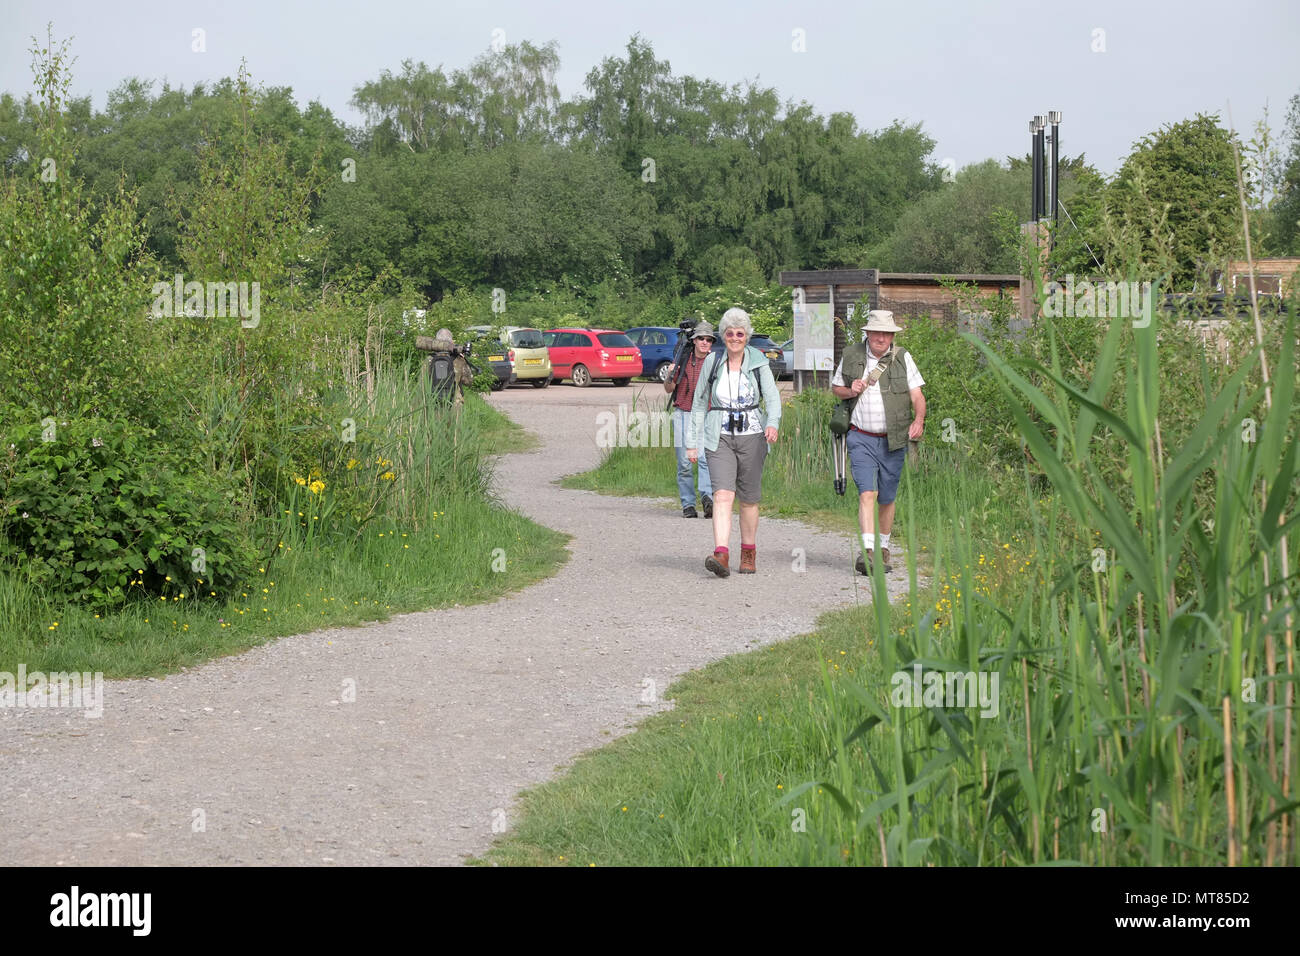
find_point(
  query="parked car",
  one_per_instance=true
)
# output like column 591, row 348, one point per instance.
column 775, row 358
column 657, row 345
column 584, row 355
column 528, row 355
column 787, row 353
column 489, row 354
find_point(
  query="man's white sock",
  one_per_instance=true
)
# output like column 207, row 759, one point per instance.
column 884, row 541
column 868, row 541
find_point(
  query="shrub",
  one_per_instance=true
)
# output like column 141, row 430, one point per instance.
column 92, row 510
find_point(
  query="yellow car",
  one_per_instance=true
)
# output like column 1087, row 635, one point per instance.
column 528, row 355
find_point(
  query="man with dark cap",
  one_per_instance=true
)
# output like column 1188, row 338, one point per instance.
column 680, row 383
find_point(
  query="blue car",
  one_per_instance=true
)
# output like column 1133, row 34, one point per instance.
column 657, row 346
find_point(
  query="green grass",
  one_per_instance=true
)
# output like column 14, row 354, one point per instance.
column 431, row 545
column 704, row 783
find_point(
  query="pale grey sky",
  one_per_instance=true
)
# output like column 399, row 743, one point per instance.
column 973, row 73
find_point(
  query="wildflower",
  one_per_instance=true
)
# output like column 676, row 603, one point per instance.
column 299, row 479
column 388, row 476
column 97, row 443
column 352, row 463
column 317, row 487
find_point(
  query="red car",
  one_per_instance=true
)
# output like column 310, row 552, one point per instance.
column 585, row 355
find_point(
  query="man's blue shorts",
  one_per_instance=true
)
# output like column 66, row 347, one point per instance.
column 875, row 467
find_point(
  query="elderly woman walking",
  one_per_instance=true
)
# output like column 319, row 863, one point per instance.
column 727, row 423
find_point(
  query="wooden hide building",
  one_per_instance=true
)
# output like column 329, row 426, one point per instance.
column 906, row 294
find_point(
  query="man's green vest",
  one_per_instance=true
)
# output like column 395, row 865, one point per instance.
column 893, row 391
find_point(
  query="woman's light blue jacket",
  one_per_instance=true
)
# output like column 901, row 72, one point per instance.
column 706, row 425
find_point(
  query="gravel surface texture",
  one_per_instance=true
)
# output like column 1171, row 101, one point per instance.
column 405, row 742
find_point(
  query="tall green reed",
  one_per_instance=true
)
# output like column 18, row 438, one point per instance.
column 1146, row 618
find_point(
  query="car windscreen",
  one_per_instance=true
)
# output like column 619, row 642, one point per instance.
column 527, row 339
column 615, row 340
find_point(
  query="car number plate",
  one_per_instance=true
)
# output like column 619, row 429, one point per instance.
column 496, row 358
column 532, row 361
column 623, row 358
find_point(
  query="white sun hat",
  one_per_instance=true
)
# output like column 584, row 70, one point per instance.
column 881, row 320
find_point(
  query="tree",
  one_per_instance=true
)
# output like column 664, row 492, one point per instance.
column 959, row 228
column 1284, row 217
column 1174, row 205
column 72, row 279
column 503, row 97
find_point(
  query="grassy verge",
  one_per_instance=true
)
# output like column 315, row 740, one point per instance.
column 446, row 556
column 704, row 784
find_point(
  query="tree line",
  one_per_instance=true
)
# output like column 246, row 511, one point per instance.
column 651, row 182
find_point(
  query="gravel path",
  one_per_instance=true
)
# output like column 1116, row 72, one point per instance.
column 263, row 758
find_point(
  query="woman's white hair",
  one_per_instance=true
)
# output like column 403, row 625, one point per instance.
column 735, row 318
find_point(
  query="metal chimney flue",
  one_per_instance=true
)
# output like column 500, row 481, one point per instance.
column 1054, row 117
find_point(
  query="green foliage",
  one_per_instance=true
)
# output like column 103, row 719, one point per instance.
column 508, row 217
column 1284, row 178
column 505, row 96
column 72, row 283
column 1174, row 202
column 768, row 305
column 954, row 230
column 94, row 511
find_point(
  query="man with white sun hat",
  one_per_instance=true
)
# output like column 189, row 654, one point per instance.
column 888, row 412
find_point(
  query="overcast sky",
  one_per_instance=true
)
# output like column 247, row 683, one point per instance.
column 973, row 72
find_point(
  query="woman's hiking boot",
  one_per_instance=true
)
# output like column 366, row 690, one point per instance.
column 717, row 563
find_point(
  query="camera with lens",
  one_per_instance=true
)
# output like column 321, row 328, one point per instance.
column 683, row 350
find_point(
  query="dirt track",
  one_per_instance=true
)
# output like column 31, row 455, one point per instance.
column 455, row 710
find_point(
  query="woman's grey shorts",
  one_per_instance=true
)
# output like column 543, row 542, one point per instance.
column 739, row 464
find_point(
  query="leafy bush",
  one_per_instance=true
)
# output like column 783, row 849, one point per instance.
column 91, row 510
column 768, row 306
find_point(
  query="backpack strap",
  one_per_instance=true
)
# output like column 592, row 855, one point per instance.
column 882, row 366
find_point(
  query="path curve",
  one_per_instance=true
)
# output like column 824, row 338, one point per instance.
column 257, row 759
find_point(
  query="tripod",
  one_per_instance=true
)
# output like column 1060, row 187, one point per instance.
column 840, row 454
